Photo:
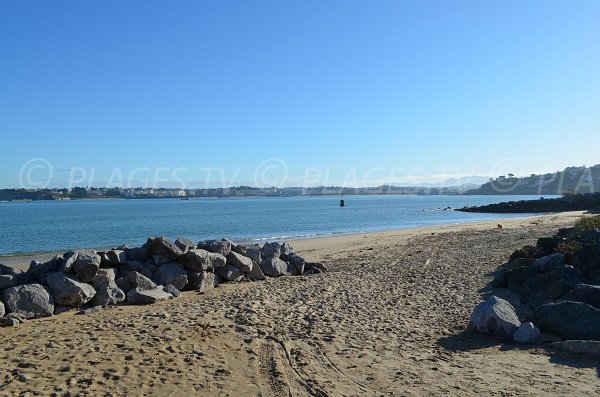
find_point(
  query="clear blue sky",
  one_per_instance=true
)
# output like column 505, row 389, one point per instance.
column 381, row 89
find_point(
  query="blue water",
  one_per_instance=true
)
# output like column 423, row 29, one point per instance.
column 45, row 226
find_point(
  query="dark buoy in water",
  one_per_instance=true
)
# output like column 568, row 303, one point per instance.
column 342, row 204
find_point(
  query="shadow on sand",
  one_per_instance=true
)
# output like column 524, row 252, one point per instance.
column 466, row 341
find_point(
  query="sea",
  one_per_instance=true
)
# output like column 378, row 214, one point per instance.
column 56, row 226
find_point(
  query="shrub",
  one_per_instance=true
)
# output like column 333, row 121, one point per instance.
column 587, row 223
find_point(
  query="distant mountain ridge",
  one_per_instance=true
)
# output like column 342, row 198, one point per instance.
column 571, row 180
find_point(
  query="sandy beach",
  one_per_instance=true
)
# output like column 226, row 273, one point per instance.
column 388, row 319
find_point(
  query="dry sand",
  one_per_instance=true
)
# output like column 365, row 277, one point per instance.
column 387, row 320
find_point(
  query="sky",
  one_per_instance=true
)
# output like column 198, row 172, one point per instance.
column 305, row 93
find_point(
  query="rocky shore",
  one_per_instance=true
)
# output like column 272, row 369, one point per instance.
column 389, row 317
column 551, row 287
column 90, row 280
column 578, row 202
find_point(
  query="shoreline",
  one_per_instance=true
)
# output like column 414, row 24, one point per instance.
column 388, row 318
column 319, row 242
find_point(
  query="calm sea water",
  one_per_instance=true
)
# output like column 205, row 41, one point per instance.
column 45, row 226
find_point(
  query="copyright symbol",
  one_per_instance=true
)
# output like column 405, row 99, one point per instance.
column 503, row 167
column 36, row 173
column 271, row 172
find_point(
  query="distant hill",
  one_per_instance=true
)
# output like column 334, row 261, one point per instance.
column 571, row 180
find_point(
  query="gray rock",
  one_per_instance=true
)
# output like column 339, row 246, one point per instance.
column 140, row 282
column 2, row 309
column 160, row 260
column 591, row 347
column 296, row 260
column 114, row 258
column 163, row 246
column 570, row 320
column 495, row 316
column 107, row 291
column 526, row 333
column 547, row 287
column 286, row 249
column 147, row 297
column 185, row 244
column 271, row 250
column 7, row 281
column 171, row 273
column 549, row 263
column 90, row 310
column 87, row 264
column 274, row 267
column 201, row 260
column 8, row 322
column 585, row 293
column 110, row 272
column 30, row 300
column 144, row 268
column 256, row 274
column 68, row 261
column 222, row 247
column 254, row 252
column 17, row 316
column 38, row 272
column 200, row 281
column 170, row 289
column 136, row 254
column 241, row 262
column 7, row 270
column 591, row 235
column 68, row 290
column 314, row 268
column 230, row 273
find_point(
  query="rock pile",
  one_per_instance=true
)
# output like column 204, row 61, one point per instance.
column 557, row 282
column 159, row 270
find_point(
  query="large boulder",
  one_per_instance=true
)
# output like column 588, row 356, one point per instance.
column 271, row 250
column 171, row 273
column 585, row 293
column 163, row 246
column 113, row 258
column 140, row 282
column 67, row 290
column 7, row 270
column 570, row 320
column 549, row 263
column 38, row 272
column 587, row 260
column 30, row 300
column 145, row 268
column 136, row 254
column 200, row 281
column 201, row 260
column 7, row 281
column 274, row 267
column 296, row 260
column 314, row 268
column 147, row 297
column 222, row 247
column 241, row 262
column 87, row 264
column 526, row 333
column 548, row 287
column 185, row 244
column 495, row 316
column 107, row 291
column 68, row 261
column 230, row 273
column 256, row 274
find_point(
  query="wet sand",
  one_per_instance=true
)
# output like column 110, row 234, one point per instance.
column 388, row 319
